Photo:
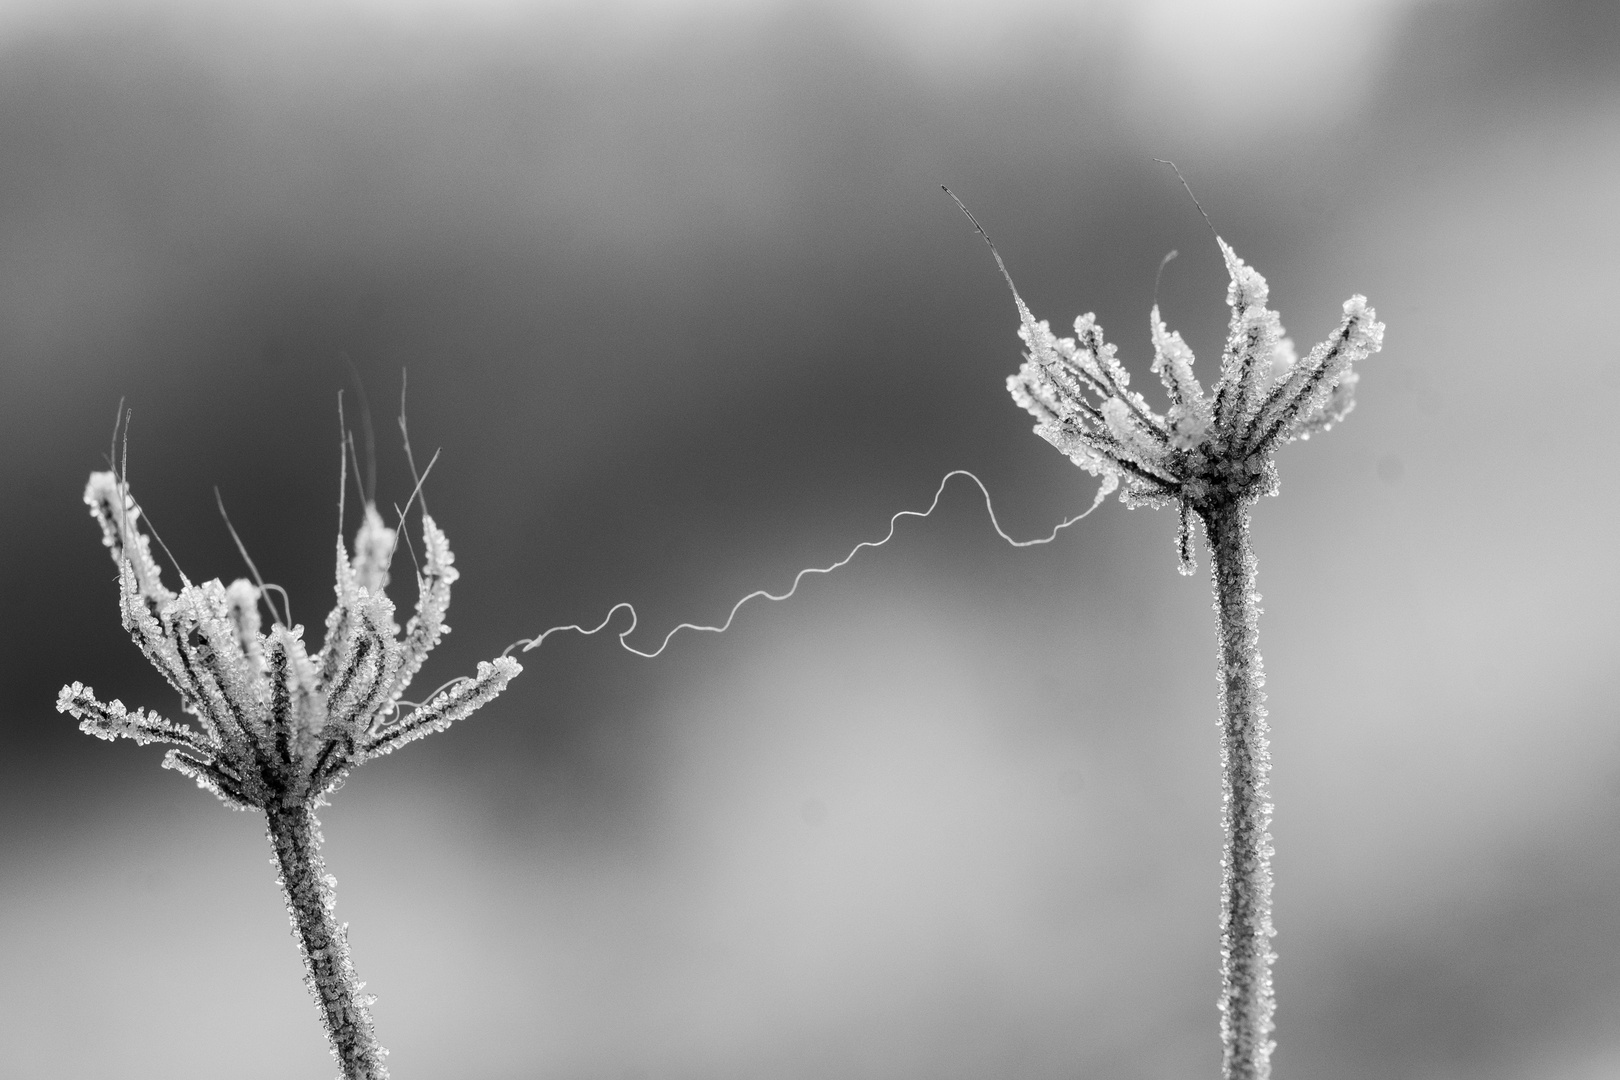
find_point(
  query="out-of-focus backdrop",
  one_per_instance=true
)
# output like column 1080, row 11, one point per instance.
column 682, row 303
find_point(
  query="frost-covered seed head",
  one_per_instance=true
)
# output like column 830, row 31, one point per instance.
column 276, row 726
column 1206, row 449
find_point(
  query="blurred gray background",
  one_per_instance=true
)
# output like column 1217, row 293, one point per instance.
column 682, row 303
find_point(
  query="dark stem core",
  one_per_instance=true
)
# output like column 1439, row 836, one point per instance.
column 328, row 972
column 1247, row 1000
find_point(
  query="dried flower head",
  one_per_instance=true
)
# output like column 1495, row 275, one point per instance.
column 276, row 726
column 277, row 729
column 1206, row 449
column 1212, row 456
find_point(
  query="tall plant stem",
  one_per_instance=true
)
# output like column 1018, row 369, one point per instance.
column 328, row 971
column 1247, row 998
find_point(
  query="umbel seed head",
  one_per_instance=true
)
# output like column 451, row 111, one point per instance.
column 1205, row 450
column 274, row 725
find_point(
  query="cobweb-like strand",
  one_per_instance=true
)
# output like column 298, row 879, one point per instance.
column 535, row 642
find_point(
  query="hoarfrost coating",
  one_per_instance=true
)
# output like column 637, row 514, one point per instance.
column 276, row 726
column 1211, row 455
column 277, row 729
column 1205, row 449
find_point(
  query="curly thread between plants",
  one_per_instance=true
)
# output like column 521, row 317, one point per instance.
column 763, row 594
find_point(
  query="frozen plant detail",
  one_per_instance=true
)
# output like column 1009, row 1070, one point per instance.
column 277, row 729
column 1210, row 456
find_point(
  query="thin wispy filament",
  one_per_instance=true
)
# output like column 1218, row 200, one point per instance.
column 764, row 594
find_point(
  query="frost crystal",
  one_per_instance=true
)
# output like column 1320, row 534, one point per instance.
column 1205, row 450
column 277, row 729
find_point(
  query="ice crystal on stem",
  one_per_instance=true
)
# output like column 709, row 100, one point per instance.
column 1210, row 455
column 277, row 729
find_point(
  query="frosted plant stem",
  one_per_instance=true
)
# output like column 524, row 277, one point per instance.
column 1210, row 456
column 1247, row 997
column 328, row 971
column 278, row 729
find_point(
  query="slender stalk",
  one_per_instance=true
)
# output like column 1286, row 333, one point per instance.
column 1247, row 998
column 328, row 972
column 1213, row 455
